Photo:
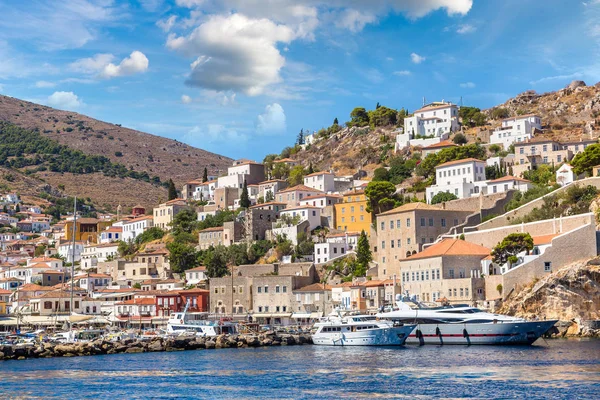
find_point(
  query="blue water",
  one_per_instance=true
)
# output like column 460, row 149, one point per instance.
column 556, row 369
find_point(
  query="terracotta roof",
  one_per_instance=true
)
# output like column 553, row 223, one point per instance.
column 343, row 234
column 315, row 287
column 4, row 291
column 411, row 207
column 319, row 173
column 456, row 162
column 355, row 192
column 112, row 244
column 192, row 291
column 33, row 287
column 52, row 271
column 38, row 265
column 302, row 188
column 139, row 301
column 114, row 229
column 509, row 178
column 45, row 259
column 86, row 221
column 271, row 181
column 214, row 229
column 300, row 208
column 138, row 206
column 452, row 247
column 175, row 201
column 55, row 294
column 268, row 204
column 445, row 143
column 197, row 269
column 318, row 196
column 544, row 239
column 537, row 139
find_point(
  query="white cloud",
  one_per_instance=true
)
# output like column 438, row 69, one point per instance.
column 416, row 59
column 167, row 24
column 402, row 73
column 468, row 85
column 575, row 75
column 354, row 20
column 272, row 121
column 234, row 53
column 137, row 62
column 91, row 65
column 465, row 28
column 151, row 5
column 44, row 84
column 214, row 133
column 185, row 99
column 56, row 25
column 64, row 100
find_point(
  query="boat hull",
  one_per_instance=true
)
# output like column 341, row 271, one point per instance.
column 395, row 336
column 480, row 333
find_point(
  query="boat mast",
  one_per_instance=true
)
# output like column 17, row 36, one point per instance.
column 73, row 266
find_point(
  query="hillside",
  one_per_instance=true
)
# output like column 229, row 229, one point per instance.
column 109, row 164
column 570, row 113
column 162, row 157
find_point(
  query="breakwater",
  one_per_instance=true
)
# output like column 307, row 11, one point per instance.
column 143, row 345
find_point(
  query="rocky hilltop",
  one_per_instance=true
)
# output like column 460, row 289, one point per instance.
column 571, row 295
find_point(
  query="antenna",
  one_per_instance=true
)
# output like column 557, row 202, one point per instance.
column 461, row 104
column 423, row 101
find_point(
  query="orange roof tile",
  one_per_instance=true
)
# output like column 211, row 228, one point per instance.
column 452, row 247
column 302, row 188
column 319, row 173
column 456, row 162
column 411, row 207
column 445, row 143
column 197, row 269
column 544, row 239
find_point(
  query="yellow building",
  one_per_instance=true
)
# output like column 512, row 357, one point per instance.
column 351, row 215
column 4, row 296
column 86, row 229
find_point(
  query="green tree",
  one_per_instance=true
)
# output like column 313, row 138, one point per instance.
column 359, row 117
column 380, row 197
column 381, row 174
column 335, row 121
column 181, row 256
column 585, row 161
column 513, row 244
column 300, row 139
column 363, row 255
column 184, row 222
column 442, row 197
column 460, row 139
column 215, row 260
column 39, row 250
column 296, row 175
column 17, row 208
column 495, row 148
column 471, row 116
column 172, row 190
column 310, row 169
column 137, row 285
column 127, row 248
column 244, row 198
column 280, row 171
column 382, row 116
column 149, row 235
column 205, row 175
column 500, row 113
column 269, row 196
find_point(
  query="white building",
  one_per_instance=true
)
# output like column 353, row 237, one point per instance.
column 206, row 190
column 305, row 213
column 195, row 275
column 321, row 200
column 247, row 171
column 565, row 175
column 65, row 249
column 463, row 178
column 516, row 130
column 323, row 181
column 92, row 282
column 428, row 125
column 111, row 234
column 135, row 227
column 335, row 245
column 507, row 183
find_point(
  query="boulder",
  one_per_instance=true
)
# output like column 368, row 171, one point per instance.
column 210, row 344
column 134, row 350
column 156, row 345
column 575, row 84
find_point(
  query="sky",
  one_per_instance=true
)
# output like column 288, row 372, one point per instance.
column 242, row 77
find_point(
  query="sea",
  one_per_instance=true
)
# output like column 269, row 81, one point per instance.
column 552, row 369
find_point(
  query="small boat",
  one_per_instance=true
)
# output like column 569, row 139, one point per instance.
column 462, row 324
column 359, row 330
column 199, row 324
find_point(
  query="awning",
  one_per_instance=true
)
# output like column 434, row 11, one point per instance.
column 271, row 315
column 300, row 315
column 8, row 321
column 316, row 315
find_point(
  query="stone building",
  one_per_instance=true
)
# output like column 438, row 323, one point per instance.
column 405, row 231
column 165, row 212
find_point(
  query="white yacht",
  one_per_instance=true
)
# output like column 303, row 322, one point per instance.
column 199, row 324
column 462, row 324
column 359, row 330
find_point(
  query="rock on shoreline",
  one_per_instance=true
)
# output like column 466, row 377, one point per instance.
column 101, row 346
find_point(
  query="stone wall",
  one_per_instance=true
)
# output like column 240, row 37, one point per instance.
column 578, row 244
column 525, row 209
column 491, row 237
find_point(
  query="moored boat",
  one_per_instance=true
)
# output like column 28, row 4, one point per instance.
column 462, row 324
column 359, row 330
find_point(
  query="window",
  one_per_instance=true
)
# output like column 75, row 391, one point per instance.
column 399, row 243
column 382, row 244
column 454, row 292
column 382, row 225
column 259, row 289
column 451, row 273
column 462, row 294
column 437, row 274
column 266, row 308
column 413, row 277
column 277, row 289
column 398, row 224
column 408, row 241
column 449, row 292
column 266, row 289
column 240, row 289
column 466, row 292
column 259, row 308
column 408, row 222
column 284, row 291
column 422, row 221
column 430, row 221
column 547, row 266
column 277, row 308
column 216, row 290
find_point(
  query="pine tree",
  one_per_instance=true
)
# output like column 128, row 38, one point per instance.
column 510, row 171
column 5, row 209
column 300, row 139
column 17, row 208
column 269, row 196
column 363, row 255
column 205, row 175
column 244, row 198
column 335, row 121
column 310, row 169
column 377, row 106
column 172, row 190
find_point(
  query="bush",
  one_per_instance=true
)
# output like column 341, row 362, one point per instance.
column 442, row 197
column 460, row 139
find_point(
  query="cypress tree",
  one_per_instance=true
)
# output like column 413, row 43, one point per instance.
column 310, row 169
column 363, row 255
column 205, row 175
column 172, row 190
column 335, row 121
column 244, row 198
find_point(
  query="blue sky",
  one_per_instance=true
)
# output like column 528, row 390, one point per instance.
column 242, row 77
